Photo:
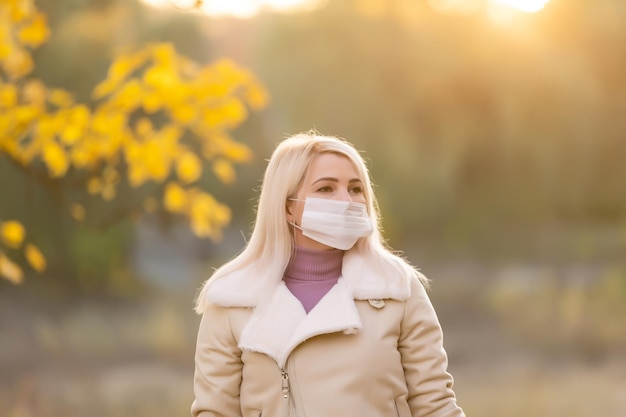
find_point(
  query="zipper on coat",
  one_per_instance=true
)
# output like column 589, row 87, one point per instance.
column 285, row 378
column 286, row 390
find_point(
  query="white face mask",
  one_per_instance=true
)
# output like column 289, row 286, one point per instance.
column 334, row 223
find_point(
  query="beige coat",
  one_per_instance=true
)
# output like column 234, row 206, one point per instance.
column 372, row 347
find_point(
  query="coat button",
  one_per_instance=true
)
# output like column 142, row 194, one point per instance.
column 376, row 303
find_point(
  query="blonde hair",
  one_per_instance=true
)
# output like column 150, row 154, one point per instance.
column 271, row 244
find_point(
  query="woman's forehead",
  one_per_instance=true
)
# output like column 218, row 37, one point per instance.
column 332, row 164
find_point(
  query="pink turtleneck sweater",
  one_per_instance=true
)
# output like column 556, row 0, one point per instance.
column 312, row 273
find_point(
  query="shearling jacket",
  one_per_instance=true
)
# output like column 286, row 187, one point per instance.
column 371, row 347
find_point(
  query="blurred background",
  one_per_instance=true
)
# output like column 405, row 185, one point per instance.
column 495, row 132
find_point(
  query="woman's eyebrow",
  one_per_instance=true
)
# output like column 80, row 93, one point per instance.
column 325, row 179
column 332, row 179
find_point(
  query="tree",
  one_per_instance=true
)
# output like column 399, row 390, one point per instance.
column 154, row 124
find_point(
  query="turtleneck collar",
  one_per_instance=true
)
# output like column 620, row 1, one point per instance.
column 315, row 265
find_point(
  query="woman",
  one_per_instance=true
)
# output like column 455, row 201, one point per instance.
column 316, row 317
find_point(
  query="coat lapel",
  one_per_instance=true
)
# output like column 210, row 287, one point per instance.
column 281, row 324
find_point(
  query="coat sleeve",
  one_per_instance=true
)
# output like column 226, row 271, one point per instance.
column 424, row 359
column 217, row 376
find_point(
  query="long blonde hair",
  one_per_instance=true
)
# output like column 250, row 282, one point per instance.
column 271, row 244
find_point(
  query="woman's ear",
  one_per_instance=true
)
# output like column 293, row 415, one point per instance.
column 288, row 212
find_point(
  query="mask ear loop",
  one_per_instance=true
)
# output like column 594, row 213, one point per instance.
column 292, row 230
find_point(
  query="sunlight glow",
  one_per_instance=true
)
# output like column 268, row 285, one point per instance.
column 237, row 8
column 528, row 6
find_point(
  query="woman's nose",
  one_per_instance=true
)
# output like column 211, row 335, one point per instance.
column 344, row 195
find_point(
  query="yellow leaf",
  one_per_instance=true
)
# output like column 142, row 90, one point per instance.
column 60, row 98
column 104, row 88
column 256, row 96
column 55, row 158
column 175, row 199
column 26, row 114
column 237, row 152
column 110, row 175
column 233, row 112
column 161, row 77
column 183, row 113
column 137, row 175
column 78, row 212
column 199, row 215
column 163, row 53
column 207, row 215
column 21, row 10
column 94, row 186
column 188, row 167
column 34, row 93
column 18, row 64
column 144, row 127
column 121, row 68
column 12, row 233
column 81, row 156
column 129, row 95
column 152, row 102
column 8, row 95
column 10, row 270
column 5, row 50
column 228, row 72
column 211, row 118
column 35, row 33
column 47, row 127
column 156, row 160
column 108, row 191
column 75, row 125
column 35, row 257
column 222, row 214
column 224, row 171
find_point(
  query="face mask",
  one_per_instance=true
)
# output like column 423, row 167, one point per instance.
column 338, row 224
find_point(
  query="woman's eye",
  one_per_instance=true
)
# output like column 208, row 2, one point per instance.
column 356, row 190
column 325, row 189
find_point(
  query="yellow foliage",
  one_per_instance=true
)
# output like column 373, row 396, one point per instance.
column 35, row 257
column 108, row 191
column 152, row 101
column 18, row 63
column 34, row 92
column 162, row 77
column 60, row 98
column 55, row 158
column 10, row 270
column 94, row 186
column 8, row 95
column 189, row 107
column 35, row 32
column 12, row 233
column 256, row 96
column 175, row 199
column 237, row 152
column 224, row 171
column 207, row 215
column 144, row 127
column 122, row 67
column 188, row 167
column 75, row 123
column 19, row 10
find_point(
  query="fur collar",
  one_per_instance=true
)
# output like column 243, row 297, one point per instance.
column 362, row 277
column 278, row 322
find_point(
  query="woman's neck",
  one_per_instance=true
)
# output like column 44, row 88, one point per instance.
column 314, row 265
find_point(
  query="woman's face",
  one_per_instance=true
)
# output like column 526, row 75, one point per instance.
column 331, row 176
